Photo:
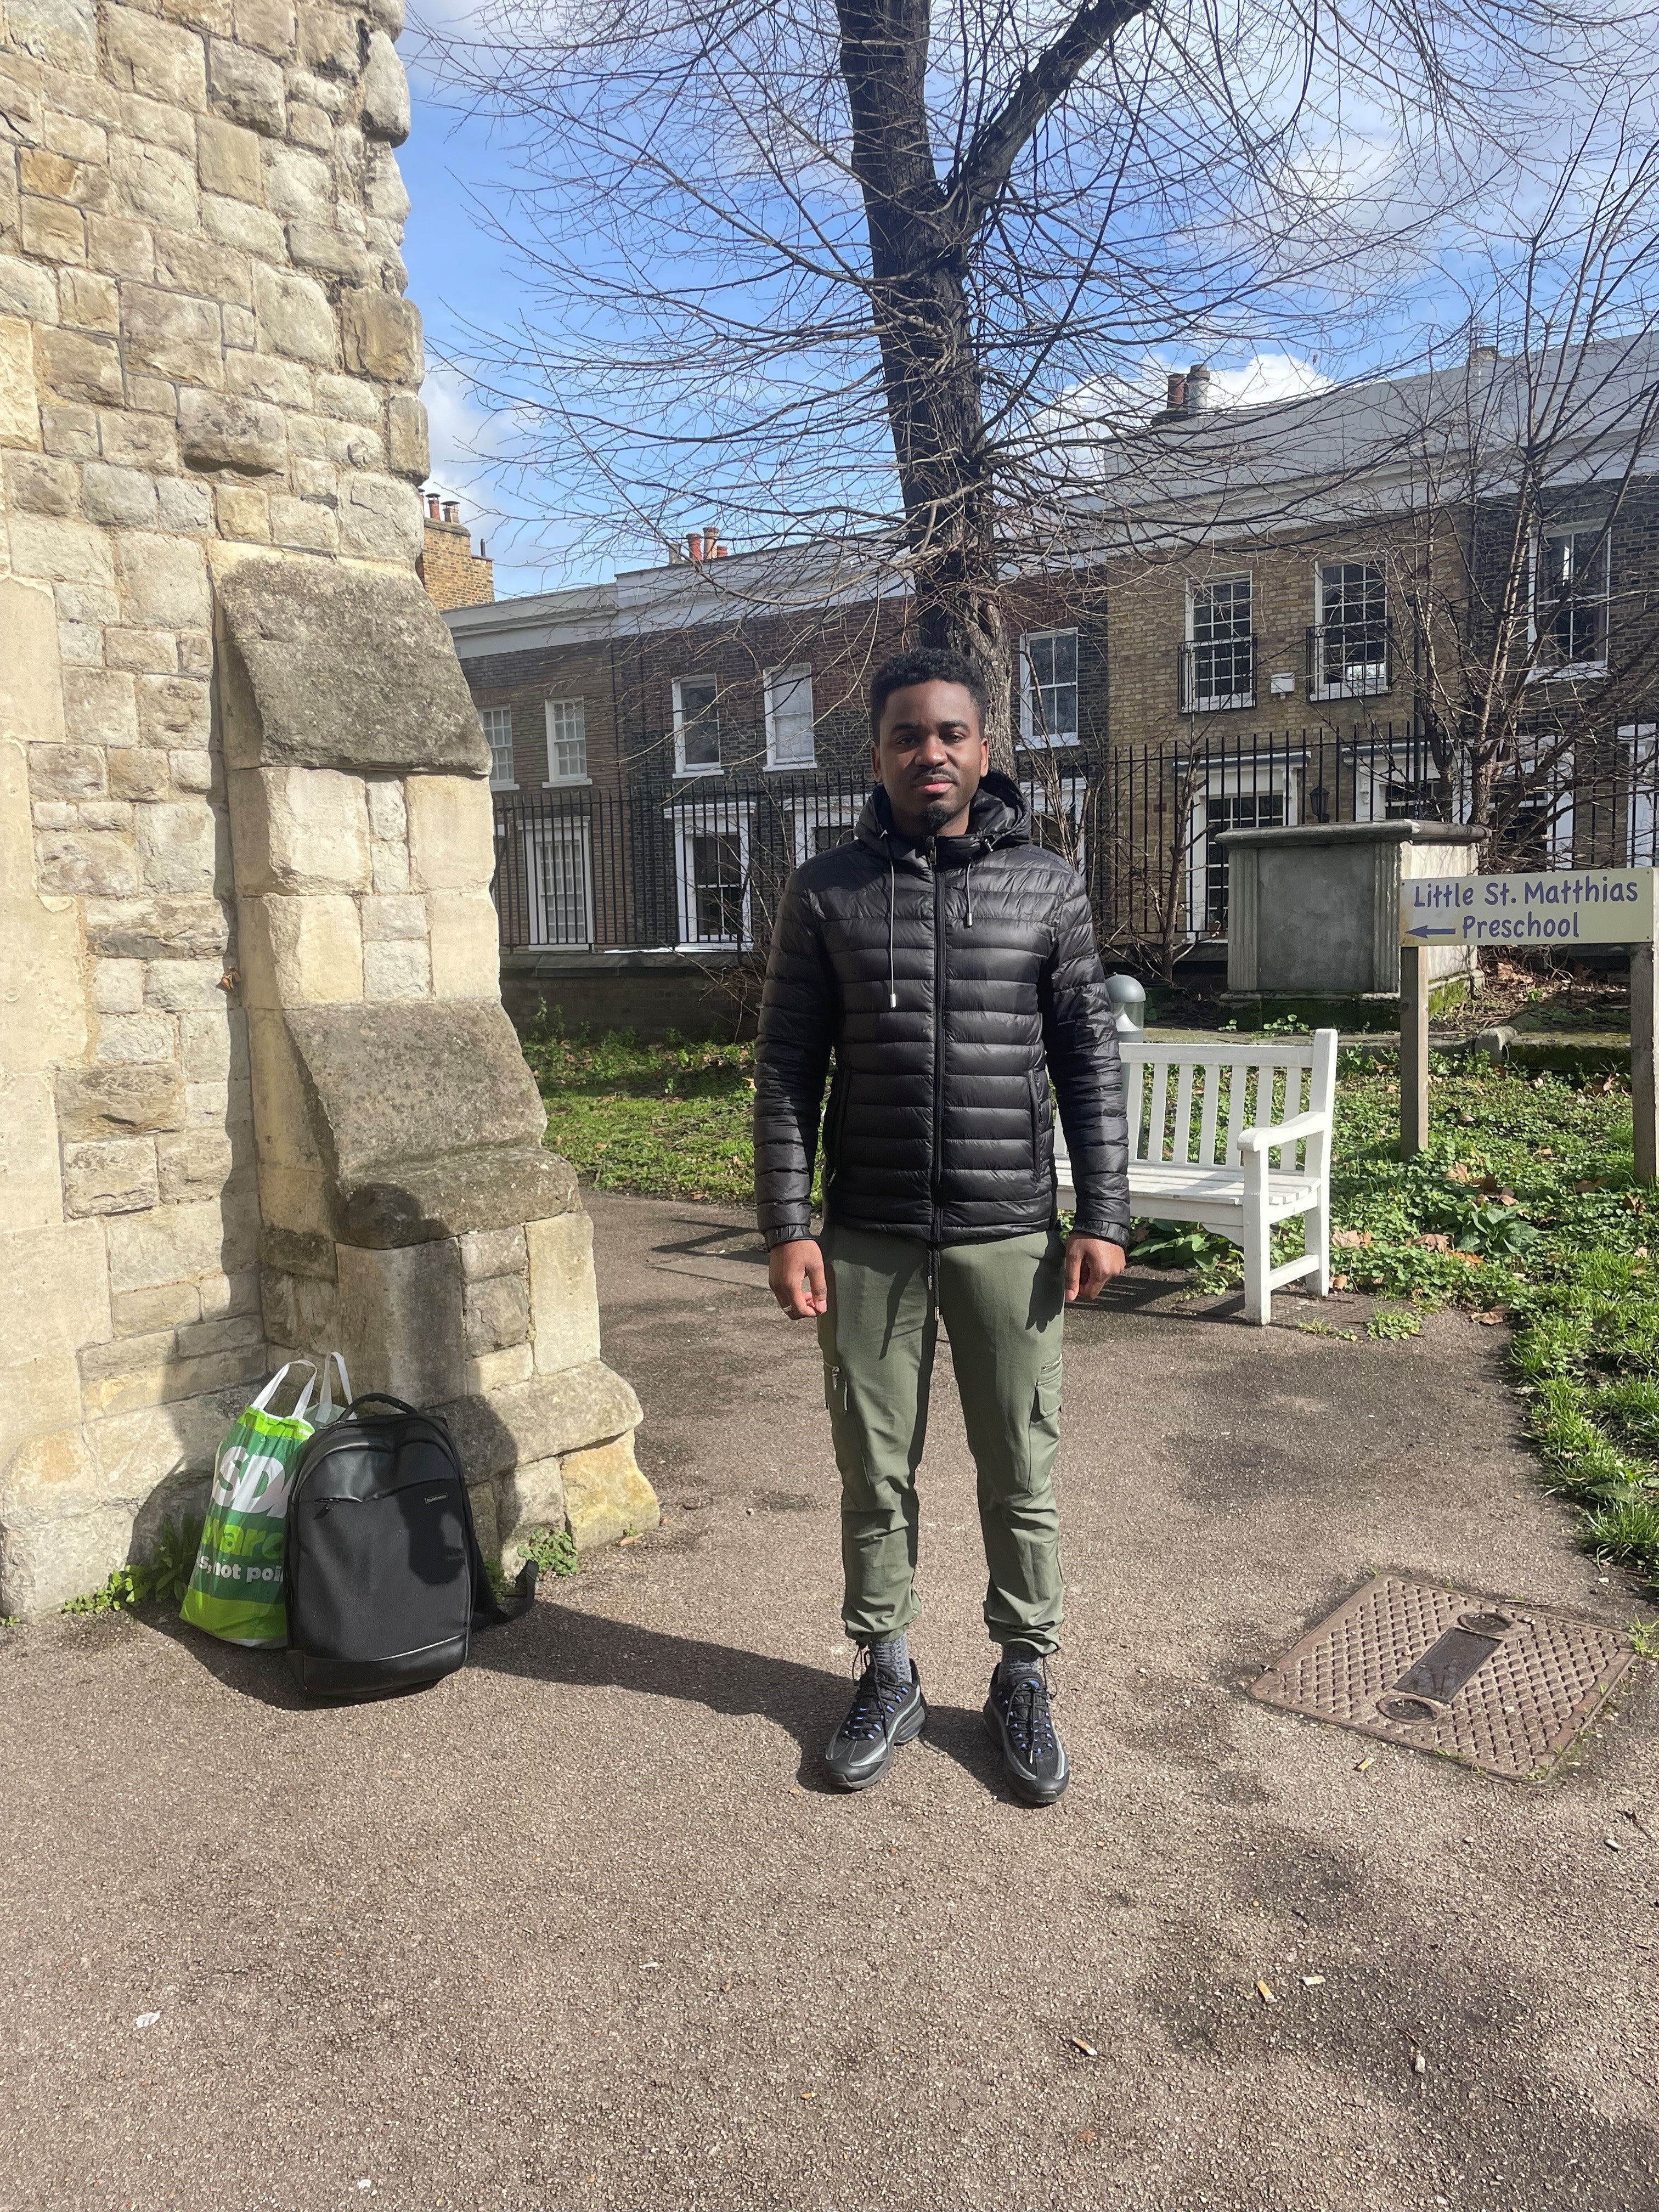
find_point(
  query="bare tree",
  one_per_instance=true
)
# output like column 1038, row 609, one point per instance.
column 877, row 275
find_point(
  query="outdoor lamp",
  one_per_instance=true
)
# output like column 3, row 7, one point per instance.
column 1130, row 1000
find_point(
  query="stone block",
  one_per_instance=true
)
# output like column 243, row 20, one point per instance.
column 203, row 266
column 184, row 509
column 163, row 1382
column 158, row 59
column 117, row 1176
column 606, row 1496
column 173, row 336
column 168, row 1244
column 219, row 432
column 385, row 919
column 120, row 497
column 119, row 1100
column 164, row 582
column 303, row 525
column 528, row 1498
column 409, row 451
column 174, row 711
column 86, row 863
column 136, row 1040
column 53, row 231
column 139, row 775
column 390, row 864
column 155, row 184
column 496, row 1313
column 299, row 829
column 466, row 952
column 564, row 1296
column 379, row 515
column 118, row 986
column 31, row 1182
column 88, row 302
column 41, row 483
column 20, row 406
column 121, row 246
column 385, row 92
column 74, row 365
column 501, row 1371
column 193, row 1164
column 451, row 833
column 137, row 1313
column 71, row 430
column 295, row 317
column 412, row 1201
column 54, row 1289
column 251, row 229
column 346, row 668
column 493, row 1252
column 156, row 929
column 331, row 253
column 49, row 545
column 245, row 86
column 74, row 772
column 177, row 845
column 244, row 514
column 268, row 26
column 400, row 1320
column 180, row 985
column 228, row 160
column 553, row 1415
column 382, row 334
column 99, row 707
column 300, row 952
column 388, row 816
column 139, row 441
column 206, row 1041
column 397, row 969
column 485, row 1525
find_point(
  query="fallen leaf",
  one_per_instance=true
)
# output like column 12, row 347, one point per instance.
column 1338, row 1282
column 1265, row 1994
column 1490, row 1319
column 622, row 1542
column 1087, row 2048
column 1087, row 2136
column 1352, row 1239
column 1458, row 1173
column 1435, row 1242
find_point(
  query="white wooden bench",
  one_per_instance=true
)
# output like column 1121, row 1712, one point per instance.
column 1203, row 1154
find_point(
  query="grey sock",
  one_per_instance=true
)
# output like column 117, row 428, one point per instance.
column 891, row 1655
column 1020, row 1660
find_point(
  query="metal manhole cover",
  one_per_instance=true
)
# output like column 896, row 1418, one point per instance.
column 1502, row 1687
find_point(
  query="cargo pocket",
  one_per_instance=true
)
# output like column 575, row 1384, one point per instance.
column 847, row 1433
column 1044, row 1440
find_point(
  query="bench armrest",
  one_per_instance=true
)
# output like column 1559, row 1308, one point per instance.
column 1267, row 1138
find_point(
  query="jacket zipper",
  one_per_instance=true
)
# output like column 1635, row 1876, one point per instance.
column 939, row 1033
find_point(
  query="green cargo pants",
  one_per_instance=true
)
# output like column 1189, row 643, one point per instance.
column 1004, row 1307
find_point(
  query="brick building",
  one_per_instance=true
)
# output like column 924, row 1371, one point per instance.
column 454, row 575
column 1255, row 625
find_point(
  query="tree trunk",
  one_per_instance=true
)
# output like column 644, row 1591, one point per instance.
column 920, row 309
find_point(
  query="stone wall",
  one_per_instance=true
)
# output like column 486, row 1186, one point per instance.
column 210, row 435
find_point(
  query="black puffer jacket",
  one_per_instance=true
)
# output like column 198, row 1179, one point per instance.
column 942, row 975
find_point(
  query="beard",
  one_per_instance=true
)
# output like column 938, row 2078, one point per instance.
column 938, row 812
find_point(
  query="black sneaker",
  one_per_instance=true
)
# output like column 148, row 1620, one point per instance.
column 884, row 1713
column 1017, row 1717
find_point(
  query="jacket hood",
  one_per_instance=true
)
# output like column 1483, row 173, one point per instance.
column 998, row 815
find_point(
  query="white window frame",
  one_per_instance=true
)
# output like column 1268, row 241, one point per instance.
column 797, row 675
column 1032, row 736
column 1277, row 776
column 723, row 819
column 681, row 766
column 557, row 779
column 1566, row 672
column 510, row 782
column 1368, row 686
column 1219, row 703
column 815, row 812
column 572, row 830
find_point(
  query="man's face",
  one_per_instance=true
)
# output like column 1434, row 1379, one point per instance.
column 930, row 757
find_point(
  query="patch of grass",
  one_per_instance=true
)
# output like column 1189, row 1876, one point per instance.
column 1396, row 1328
column 554, row 1550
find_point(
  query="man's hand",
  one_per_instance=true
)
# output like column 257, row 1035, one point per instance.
column 795, row 1271
column 1091, row 1264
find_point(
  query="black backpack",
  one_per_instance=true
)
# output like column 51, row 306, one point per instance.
column 383, row 1575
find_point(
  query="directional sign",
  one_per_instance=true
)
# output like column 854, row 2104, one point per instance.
column 1568, row 906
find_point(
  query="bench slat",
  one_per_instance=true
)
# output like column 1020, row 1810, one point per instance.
column 1206, row 1127
column 1180, row 1147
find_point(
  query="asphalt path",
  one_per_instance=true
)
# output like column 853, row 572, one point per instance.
column 582, row 1928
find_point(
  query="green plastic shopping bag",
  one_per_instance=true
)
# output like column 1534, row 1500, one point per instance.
column 235, row 1589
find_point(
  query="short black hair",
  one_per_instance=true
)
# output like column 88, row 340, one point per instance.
column 926, row 663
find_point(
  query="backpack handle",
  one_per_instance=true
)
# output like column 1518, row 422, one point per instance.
column 383, row 1398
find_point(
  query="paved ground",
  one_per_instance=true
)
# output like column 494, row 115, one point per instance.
column 580, row 1929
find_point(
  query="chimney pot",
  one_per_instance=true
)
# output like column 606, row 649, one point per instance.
column 721, row 552
column 1198, row 389
column 451, row 510
column 1174, row 398
column 693, row 544
column 432, row 505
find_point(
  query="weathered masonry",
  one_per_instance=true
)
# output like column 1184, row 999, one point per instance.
column 257, row 1096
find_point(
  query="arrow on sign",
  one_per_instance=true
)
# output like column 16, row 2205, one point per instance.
column 1425, row 931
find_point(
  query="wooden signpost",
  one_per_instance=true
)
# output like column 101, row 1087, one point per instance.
column 1553, row 912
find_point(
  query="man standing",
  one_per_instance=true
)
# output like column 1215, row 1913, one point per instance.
column 944, row 958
